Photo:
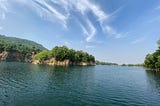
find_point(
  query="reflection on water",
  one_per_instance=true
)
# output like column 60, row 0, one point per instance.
column 153, row 78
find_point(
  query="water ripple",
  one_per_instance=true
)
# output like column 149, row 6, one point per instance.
column 33, row 85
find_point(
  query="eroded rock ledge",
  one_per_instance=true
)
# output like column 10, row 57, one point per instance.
column 66, row 62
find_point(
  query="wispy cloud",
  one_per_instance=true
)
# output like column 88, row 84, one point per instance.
column 90, row 46
column 122, row 35
column 3, row 5
column 53, row 11
column 84, row 6
column 138, row 40
column 61, row 11
column 67, row 43
column 116, row 11
column 3, row 9
column 2, row 15
column 109, row 30
column 113, row 33
column 1, row 28
column 101, row 15
column 89, row 33
column 157, row 8
column 154, row 19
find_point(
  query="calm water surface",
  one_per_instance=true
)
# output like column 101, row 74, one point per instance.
column 23, row 84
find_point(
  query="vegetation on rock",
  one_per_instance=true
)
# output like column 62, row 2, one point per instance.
column 152, row 60
column 63, row 53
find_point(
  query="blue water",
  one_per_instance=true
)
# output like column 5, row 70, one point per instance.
column 24, row 84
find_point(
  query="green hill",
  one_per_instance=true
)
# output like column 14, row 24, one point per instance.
column 24, row 42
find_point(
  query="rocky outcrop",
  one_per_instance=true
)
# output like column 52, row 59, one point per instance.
column 66, row 62
column 53, row 62
column 3, row 56
column 14, row 56
column 19, row 57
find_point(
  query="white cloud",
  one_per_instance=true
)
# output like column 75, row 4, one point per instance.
column 92, row 31
column 89, row 33
column 113, row 33
column 63, row 3
column 154, row 19
column 82, row 6
column 3, row 5
column 3, row 9
column 141, row 39
column 89, row 46
column 45, row 10
column 157, row 8
column 67, row 43
column 3, row 16
column 50, row 9
column 86, row 5
column 1, row 28
column 122, row 35
column 61, row 11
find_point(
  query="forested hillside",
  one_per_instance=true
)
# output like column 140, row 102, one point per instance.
column 15, row 49
column 24, row 42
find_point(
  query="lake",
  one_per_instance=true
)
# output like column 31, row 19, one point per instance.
column 24, row 84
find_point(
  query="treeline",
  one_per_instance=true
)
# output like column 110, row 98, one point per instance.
column 11, row 47
column 104, row 63
column 152, row 60
column 138, row 65
column 62, row 53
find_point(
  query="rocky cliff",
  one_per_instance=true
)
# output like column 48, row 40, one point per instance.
column 14, row 56
column 66, row 62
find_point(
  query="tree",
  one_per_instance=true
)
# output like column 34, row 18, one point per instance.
column 157, row 64
column 42, row 55
column 60, row 53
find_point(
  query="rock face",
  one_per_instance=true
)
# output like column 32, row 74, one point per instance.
column 14, row 56
column 66, row 62
column 3, row 56
column 53, row 62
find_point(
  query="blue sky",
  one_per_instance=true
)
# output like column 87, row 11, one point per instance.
column 121, row 31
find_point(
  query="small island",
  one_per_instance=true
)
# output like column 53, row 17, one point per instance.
column 21, row 50
column 64, row 56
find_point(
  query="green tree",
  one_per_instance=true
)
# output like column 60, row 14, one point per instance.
column 157, row 64
column 42, row 55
